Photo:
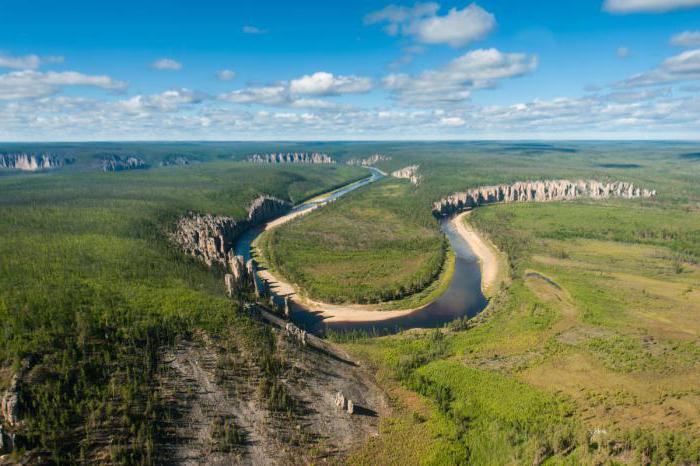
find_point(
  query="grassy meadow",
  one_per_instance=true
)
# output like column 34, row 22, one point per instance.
column 367, row 249
column 590, row 355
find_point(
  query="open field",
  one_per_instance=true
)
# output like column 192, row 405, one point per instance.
column 597, row 333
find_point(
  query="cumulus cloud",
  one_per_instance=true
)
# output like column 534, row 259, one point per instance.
column 323, row 83
column 253, row 30
column 26, row 62
column 295, row 93
column 682, row 67
column 647, row 6
column 457, row 28
column 478, row 69
column 268, row 95
column 686, row 39
column 63, row 117
column 32, row 84
column 168, row 101
column 166, row 64
column 225, row 75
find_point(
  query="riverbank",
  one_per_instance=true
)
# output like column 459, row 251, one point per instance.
column 491, row 262
column 488, row 257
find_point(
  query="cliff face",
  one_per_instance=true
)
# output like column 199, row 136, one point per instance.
column 30, row 162
column 115, row 163
column 208, row 237
column 211, row 237
column 410, row 173
column 369, row 161
column 9, row 415
column 292, row 157
column 265, row 207
column 175, row 160
column 539, row 191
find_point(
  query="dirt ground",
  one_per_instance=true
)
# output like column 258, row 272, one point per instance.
column 199, row 393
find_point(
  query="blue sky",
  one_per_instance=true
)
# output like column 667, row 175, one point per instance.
column 79, row 70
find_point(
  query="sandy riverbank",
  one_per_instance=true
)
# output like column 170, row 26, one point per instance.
column 488, row 259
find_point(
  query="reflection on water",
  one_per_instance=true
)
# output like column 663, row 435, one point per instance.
column 462, row 298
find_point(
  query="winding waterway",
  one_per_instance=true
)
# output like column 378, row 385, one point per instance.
column 463, row 296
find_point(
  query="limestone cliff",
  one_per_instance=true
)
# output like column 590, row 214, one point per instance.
column 292, row 157
column 410, row 173
column 174, row 160
column 208, row 237
column 10, row 415
column 211, row 237
column 539, row 191
column 369, row 161
column 115, row 163
column 9, row 404
column 30, row 162
column 265, row 207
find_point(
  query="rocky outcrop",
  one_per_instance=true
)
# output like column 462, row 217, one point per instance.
column 264, row 207
column 292, row 157
column 175, row 161
column 116, row 163
column 295, row 333
column 9, row 404
column 539, row 191
column 208, row 237
column 410, row 173
column 211, row 237
column 30, row 162
column 344, row 404
column 369, row 161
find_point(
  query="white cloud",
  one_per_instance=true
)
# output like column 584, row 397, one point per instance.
column 27, row 62
column 66, row 118
column 167, row 101
column 290, row 93
column 478, row 69
column 323, row 83
column 637, row 96
column 623, row 52
column 268, row 95
column 457, row 28
column 225, row 75
column 397, row 16
column 682, row 67
column 166, row 64
column 253, row 30
column 647, row 6
column 686, row 39
column 452, row 121
column 31, row 84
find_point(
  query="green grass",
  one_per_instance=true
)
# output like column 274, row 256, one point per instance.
column 359, row 249
column 613, row 346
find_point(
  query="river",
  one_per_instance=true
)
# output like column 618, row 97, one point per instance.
column 463, row 296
